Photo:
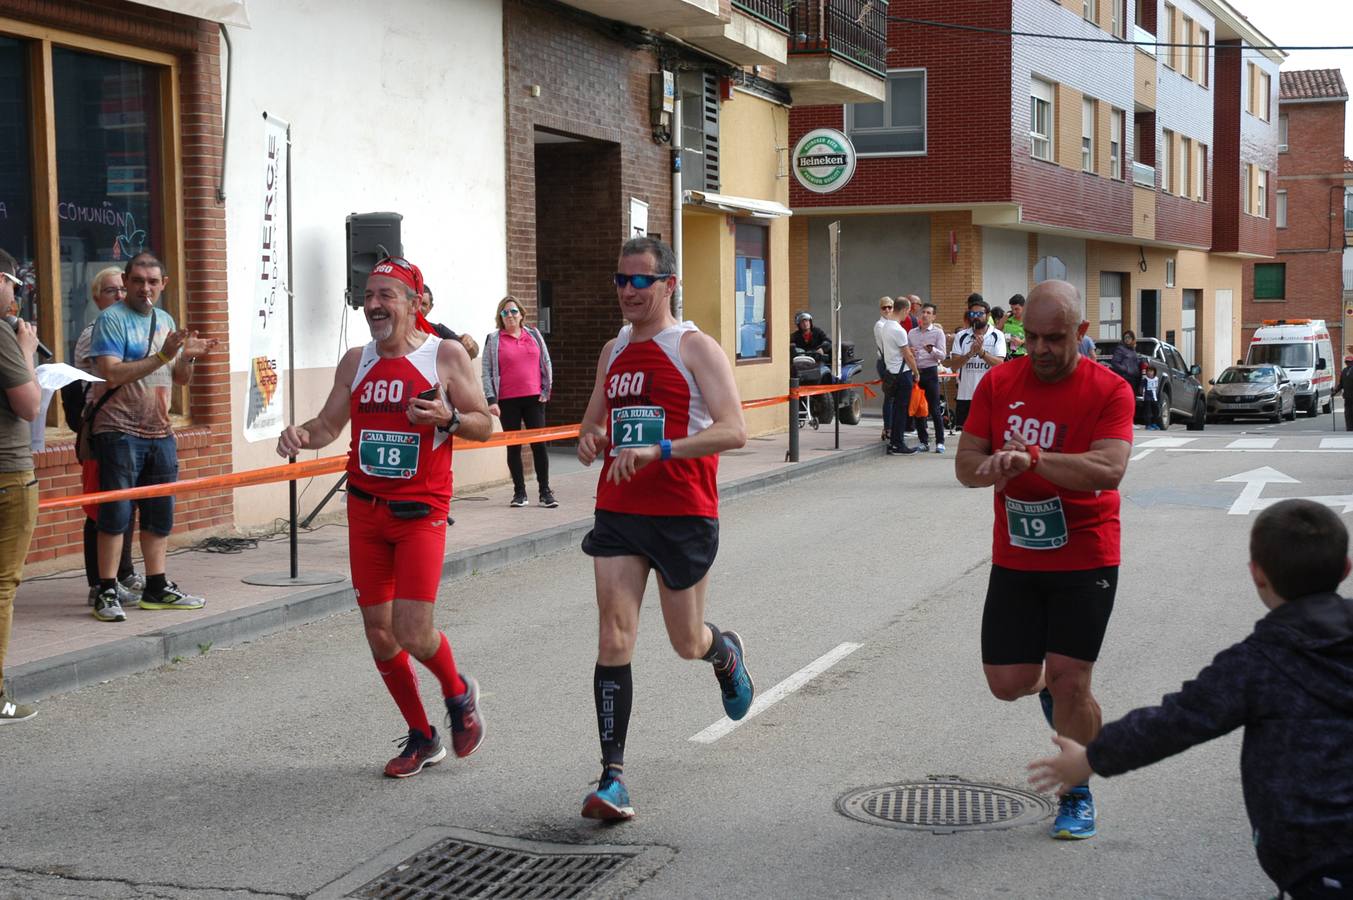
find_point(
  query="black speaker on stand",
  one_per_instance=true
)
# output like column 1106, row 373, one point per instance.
column 371, row 237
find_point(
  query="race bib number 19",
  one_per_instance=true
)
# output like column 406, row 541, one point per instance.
column 636, row 426
column 1036, row 524
column 388, row 454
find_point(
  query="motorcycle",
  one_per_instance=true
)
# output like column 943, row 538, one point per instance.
column 815, row 368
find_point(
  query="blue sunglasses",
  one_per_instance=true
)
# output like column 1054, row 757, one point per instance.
column 640, row 282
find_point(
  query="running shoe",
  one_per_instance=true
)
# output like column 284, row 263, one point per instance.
column 467, row 723
column 418, row 750
column 547, row 498
column 135, row 582
column 170, row 598
column 12, row 711
column 904, row 450
column 1045, row 701
column 610, row 802
column 736, row 681
column 519, row 499
column 1075, row 816
column 939, row 448
column 128, row 592
column 923, row 447
column 107, row 608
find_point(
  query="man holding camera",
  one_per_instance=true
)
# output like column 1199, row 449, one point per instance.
column 406, row 392
column 976, row 349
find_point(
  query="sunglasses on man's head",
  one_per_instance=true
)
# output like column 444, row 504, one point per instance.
column 399, row 261
column 12, row 277
column 640, row 282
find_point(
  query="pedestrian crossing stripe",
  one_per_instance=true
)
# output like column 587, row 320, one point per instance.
column 1252, row 444
column 1336, row 443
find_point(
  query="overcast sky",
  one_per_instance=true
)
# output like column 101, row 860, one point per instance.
column 1304, row 23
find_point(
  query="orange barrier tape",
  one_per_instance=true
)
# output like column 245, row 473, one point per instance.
column 330, row 465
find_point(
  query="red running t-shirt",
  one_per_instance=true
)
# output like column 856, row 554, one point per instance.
column 1041, row 527
column 388, row 456
column 651, row 395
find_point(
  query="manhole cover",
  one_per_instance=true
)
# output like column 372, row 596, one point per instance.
column 944, row 806
column 455, row 868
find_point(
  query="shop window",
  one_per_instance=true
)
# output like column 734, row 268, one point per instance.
column 16, row 195
column 1270, row 281
column 897, row 125
column 751, row 289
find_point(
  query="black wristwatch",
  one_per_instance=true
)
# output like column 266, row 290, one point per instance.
column 450, row 427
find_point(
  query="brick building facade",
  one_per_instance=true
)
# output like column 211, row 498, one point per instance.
column 1303, row 277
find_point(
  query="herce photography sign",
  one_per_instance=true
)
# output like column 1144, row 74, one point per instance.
column 268, row 327
column 824, row 160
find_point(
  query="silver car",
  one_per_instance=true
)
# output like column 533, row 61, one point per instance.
column 1254, row 392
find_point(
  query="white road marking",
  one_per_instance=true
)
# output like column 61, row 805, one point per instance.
column 779, row 692
column 1244, row 450
column 1254, row 481
column 1252, row 444
column 1336, row 443
column 1166, row 442
column 1146, row 452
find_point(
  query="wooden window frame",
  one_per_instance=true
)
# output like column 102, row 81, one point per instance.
column 41, row 40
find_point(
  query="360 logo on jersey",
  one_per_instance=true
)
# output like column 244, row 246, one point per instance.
column 1031, row 431
column 625, row 384
column 382, row 391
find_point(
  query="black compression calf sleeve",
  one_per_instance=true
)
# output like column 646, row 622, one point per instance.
column 720, row 652
column 613, row 691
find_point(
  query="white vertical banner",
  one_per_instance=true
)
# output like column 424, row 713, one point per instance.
column 264, row 417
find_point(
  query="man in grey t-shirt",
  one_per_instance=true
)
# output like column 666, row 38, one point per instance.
column 20, row 401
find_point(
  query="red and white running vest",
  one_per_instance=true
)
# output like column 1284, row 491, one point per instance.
column 651, row 395
column 388, row 456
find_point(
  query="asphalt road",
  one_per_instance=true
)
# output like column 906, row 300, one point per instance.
column 255, row 772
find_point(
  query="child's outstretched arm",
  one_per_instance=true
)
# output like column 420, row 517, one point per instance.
column 1062, row 772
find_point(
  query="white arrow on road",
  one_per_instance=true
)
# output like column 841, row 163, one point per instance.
column 1254, row 481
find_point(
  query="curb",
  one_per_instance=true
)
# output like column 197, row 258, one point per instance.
column 144, row 652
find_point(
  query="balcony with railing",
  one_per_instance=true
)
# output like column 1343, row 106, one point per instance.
column 756, row 35
column 837, row 51
column 655, row 15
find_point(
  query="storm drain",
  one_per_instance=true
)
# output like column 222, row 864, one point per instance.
column 944, row 806
column 455, row 868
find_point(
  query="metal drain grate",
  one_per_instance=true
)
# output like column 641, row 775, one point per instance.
column 456, row 868
column 944, row 806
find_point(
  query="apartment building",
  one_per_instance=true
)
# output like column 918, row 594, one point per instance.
column 1304, row 278
column 1127, row 147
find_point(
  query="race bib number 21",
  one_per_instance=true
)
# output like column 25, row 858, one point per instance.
column 636, row 426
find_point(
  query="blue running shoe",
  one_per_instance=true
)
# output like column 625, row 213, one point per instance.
column 1045, row 700
column 610, row 802
column 736, row 681
column 1075, row 816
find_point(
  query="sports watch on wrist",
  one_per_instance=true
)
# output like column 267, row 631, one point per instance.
column 450, row 427
column 1035, row 454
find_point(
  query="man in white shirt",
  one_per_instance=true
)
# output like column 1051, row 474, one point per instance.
column 927, row 343
column 976, row 349
column 899, row 365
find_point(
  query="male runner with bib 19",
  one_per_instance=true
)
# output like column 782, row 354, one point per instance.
column 663, row 407
column 1063, row 426
column 406, row 392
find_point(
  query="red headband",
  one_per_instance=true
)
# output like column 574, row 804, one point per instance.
column 402, row 271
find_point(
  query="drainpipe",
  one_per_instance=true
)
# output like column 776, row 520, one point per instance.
column 677, row 203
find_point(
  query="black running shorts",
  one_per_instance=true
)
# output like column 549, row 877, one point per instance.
column 681, row 548
column 1031, row 614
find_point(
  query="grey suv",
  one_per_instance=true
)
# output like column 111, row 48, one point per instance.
column 1181, row 393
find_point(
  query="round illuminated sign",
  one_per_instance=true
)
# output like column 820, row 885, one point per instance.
column 824, row 160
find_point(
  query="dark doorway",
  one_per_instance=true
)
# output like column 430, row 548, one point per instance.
column 1150, row 312
column 579, row 229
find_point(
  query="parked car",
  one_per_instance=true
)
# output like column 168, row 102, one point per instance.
column 1181, row 393
column 1254, row 391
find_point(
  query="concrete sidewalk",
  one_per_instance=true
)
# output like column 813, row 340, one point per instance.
column 58, row 646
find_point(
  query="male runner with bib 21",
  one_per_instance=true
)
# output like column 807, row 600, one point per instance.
column 1063, row 426
column 663, row 407
column 406, row 393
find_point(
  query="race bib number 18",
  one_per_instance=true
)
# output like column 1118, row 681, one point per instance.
column 1036, row 524
column 636, row 426
column 388, row 454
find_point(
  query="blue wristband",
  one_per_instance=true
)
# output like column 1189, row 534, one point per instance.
column 666, row 446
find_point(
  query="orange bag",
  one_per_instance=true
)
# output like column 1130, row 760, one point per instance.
column 919, row 407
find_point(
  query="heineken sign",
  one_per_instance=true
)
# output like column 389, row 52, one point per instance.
column 824, row 160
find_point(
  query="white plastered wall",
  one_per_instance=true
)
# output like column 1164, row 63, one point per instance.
column 1005, row 264
column 394, row 106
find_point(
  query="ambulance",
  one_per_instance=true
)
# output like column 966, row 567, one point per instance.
column 1304, row 349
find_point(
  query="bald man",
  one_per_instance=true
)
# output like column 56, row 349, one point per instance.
column 1051, row 432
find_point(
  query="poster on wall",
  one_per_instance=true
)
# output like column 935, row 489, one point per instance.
column 264, row 417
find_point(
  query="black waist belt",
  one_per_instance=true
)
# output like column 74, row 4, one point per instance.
column 400, row 509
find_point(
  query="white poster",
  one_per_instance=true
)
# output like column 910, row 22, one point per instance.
column 263, row 416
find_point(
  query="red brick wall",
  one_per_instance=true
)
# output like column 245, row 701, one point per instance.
column 1182, row 221
column 596, row 88
column 204, row 448
column 1228, row 71
column 1311, row 246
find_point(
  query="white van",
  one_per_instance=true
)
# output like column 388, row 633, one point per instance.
column 1303, row 348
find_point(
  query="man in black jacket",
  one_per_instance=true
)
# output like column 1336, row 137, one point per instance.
column 1345, row 387
column 810, row 340
column 1289, row 685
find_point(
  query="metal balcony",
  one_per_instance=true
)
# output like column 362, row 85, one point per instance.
column 837, row 51
column 756, row 35
column 655, row 15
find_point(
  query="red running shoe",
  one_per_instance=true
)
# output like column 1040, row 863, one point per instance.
column 419, row 750
column 467, row 723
